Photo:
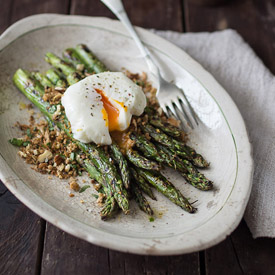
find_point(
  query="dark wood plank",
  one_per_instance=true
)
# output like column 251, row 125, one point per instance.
column 255, row 256
column 165, row 14
column 84, row 258
column 222, row 259
column 3, row 188
column 122, row 263
column 241, row 254
column 21, row 232
column 5, row 15
column 23, row 8
column 254, row 20
column 65, row 254
column 90, row 8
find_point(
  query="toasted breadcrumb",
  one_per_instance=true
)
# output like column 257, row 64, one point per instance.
column 101, row 199
column 74, row 185
column 47, row 151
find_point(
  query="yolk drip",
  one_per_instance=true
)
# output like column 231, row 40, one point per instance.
column 121, row 104
column 113, row 113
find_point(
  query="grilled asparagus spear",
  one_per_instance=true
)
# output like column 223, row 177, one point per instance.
column 141, row 182
column 70, row 56
column 140, row 161
column 141, row 200
column 54, row 76
column 156, row 121
column 45, row 82
column 67, row 69
column 90, row 61
column 122, row 164
column 167, row 189
column 110, row 208
column 187, row 169
column 176, row 146
column 146, row 147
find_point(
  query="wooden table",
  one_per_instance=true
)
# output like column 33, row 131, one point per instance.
column 30, row 245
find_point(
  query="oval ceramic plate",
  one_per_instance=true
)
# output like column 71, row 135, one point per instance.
column 221, row 138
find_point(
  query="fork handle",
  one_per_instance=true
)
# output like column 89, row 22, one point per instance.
column 117, row 8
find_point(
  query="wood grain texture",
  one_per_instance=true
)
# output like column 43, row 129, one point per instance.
column 255, row 256
column 20, row 234
column 253, row 19
column 241, row 254
column 222, row 259
column 23, row 8
column 65, row 254
column 5, row 15
column 163, row 15
column 122, row 263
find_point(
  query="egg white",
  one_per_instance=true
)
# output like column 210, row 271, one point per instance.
column 85, row 110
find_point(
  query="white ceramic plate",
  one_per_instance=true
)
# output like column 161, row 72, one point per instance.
column 221, row 138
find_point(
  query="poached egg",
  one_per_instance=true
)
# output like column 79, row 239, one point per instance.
column 102, row 103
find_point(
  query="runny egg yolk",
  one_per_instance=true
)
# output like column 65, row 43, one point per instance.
column 110, row 112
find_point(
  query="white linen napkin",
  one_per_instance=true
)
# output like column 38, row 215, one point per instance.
column 252, row 86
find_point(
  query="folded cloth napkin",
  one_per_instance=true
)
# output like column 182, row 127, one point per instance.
column 252, row 86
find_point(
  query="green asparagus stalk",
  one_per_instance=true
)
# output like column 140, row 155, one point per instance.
column 74, row 78
column 45, row 82
column 141, row 182
column 187, row 169
column 197, row 159
column 195, row 178
column 94, row 173
column 167, row 189
column 122, row 164
column 70, row 56
column 141, row 200
column 102, row 162
column 60, row 64
column 55, row 78
column 140, row 161
column 156, row 121
column 146, row 147
column 34, row 91
column 90, row 61
column 165, row 127
column 72, row 75
column 110, row 208
column 163, row 139
column 177, row 147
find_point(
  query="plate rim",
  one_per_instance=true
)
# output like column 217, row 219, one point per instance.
column 40, row 207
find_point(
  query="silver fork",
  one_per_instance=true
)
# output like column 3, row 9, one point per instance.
column 171, row 98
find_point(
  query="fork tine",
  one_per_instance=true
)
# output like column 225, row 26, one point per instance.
column 169, row 112
column 170, row 107
column 194, row 116
column 181, row 109
column 180, row 117
column 175, row 112
column 163, row 107
column 182, row 114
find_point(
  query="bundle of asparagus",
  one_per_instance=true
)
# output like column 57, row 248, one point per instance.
column 121, row 173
